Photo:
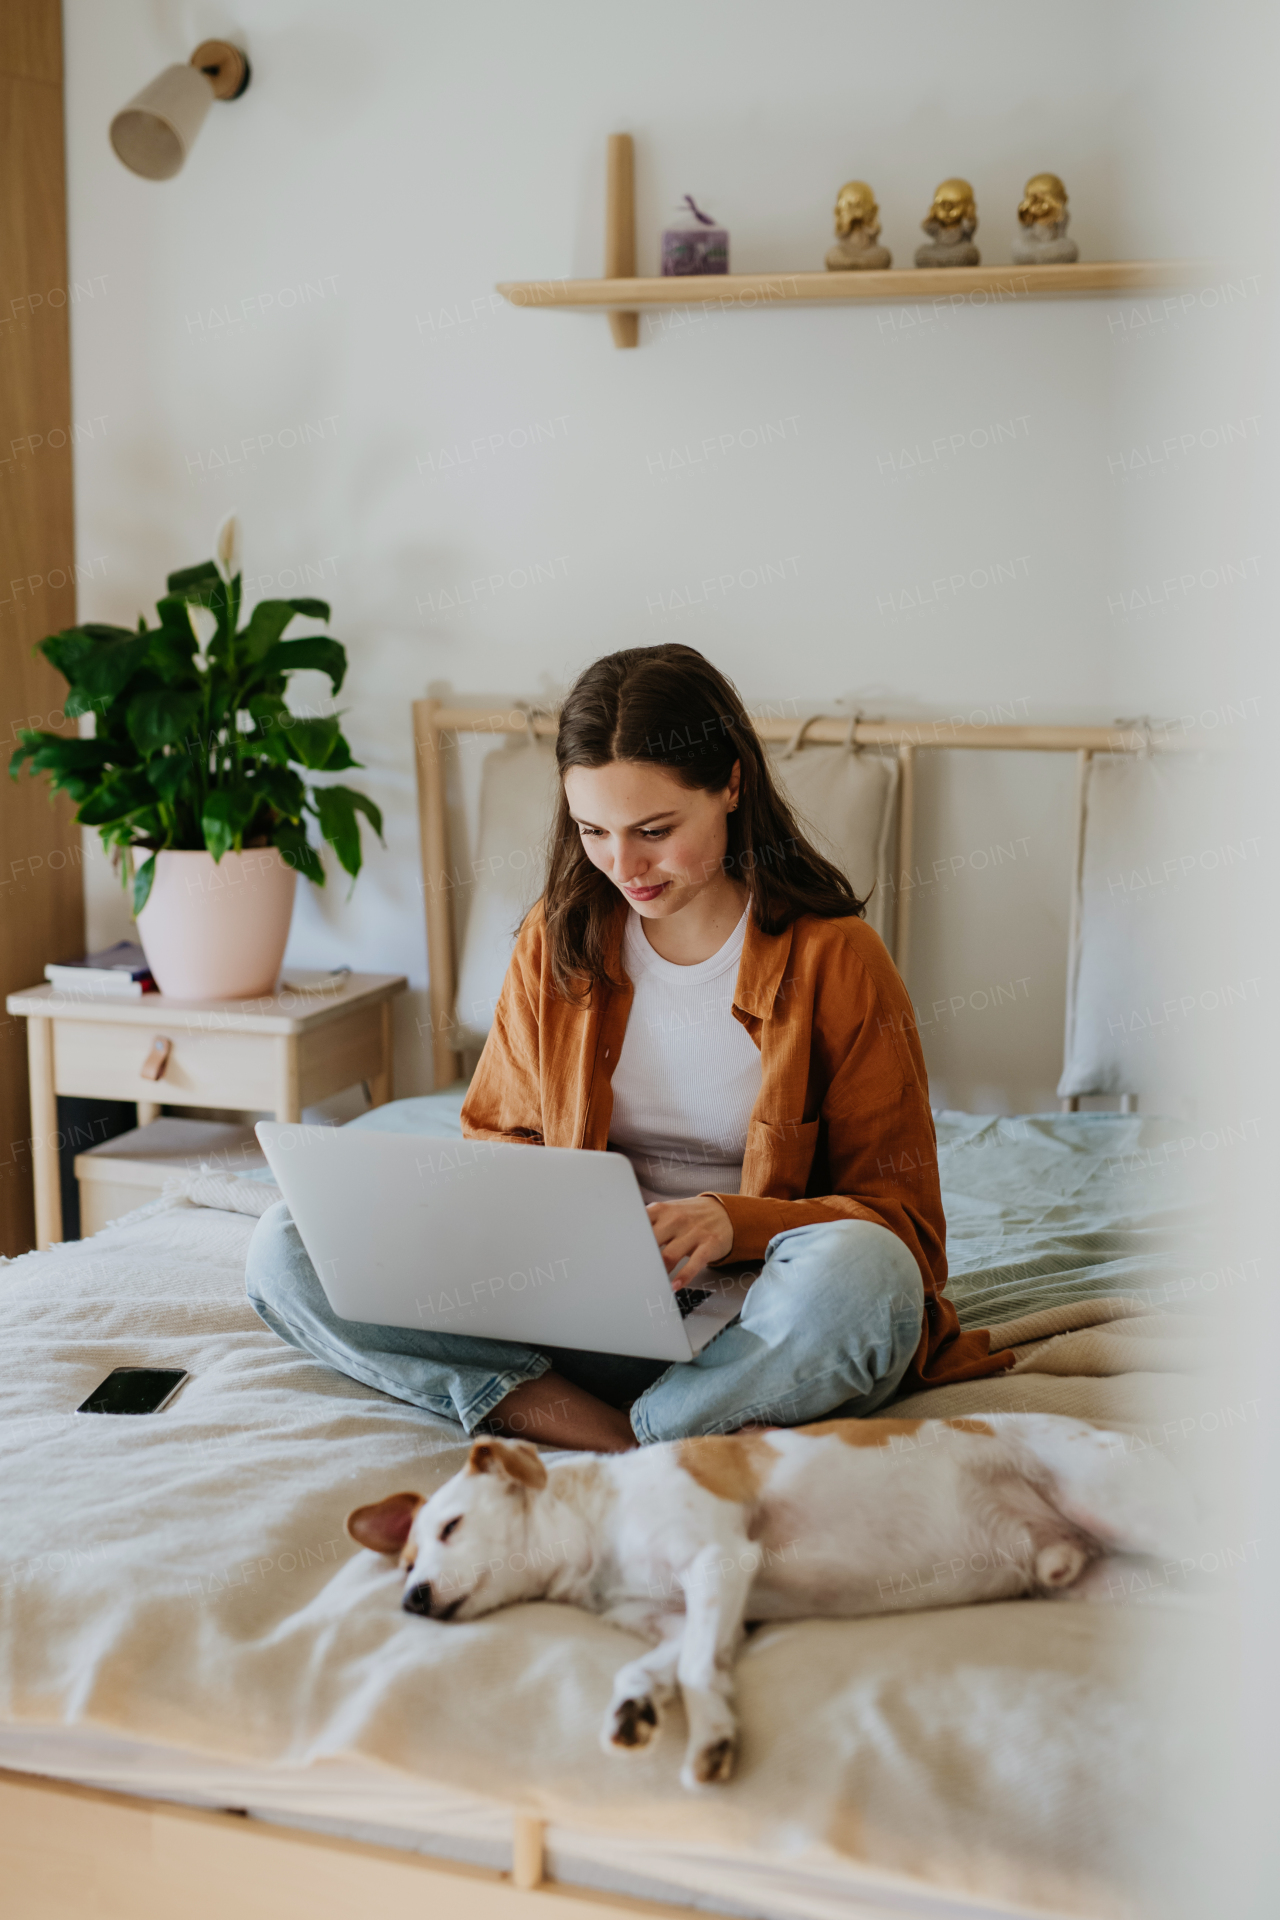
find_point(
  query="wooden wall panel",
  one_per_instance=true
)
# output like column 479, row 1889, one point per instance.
column 41, row 891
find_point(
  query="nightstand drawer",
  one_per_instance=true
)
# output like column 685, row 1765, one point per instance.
column 210, row 1069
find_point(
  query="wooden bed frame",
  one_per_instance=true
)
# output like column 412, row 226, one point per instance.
column 67, row 1851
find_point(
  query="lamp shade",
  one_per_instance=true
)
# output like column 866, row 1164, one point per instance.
column 155, row 132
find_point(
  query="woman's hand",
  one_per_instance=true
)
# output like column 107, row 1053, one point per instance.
column 699, row 1228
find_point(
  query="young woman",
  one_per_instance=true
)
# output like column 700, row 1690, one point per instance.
column 696, row 989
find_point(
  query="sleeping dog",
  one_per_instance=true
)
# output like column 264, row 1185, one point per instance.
column 683, row 1543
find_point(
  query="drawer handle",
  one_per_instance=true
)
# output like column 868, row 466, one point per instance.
column 158, row 1058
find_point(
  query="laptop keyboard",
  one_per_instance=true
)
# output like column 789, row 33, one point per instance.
column 687, row 1298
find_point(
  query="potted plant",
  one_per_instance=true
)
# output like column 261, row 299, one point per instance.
column 196, row 772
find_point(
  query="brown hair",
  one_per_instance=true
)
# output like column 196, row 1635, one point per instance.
column 667, row 706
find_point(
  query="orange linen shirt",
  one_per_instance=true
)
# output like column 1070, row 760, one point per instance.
column 841, row 1130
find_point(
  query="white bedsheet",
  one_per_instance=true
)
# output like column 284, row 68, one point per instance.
column 184, row 1582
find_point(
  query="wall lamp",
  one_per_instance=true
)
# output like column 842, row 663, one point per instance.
column 156, row 131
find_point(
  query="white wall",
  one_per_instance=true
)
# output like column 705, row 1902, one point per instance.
column 391, row 161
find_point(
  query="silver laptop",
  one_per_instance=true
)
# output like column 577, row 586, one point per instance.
column 547, row 1245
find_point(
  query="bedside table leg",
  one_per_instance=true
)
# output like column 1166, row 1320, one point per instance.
column 44, row 1133
column 380, row 1083
column 288, row 1108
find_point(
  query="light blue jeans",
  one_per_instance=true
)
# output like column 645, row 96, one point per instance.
column 829, row 1326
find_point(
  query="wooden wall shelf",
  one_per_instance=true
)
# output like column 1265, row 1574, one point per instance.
column 621, row 294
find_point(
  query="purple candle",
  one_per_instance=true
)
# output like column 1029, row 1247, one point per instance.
column 701, row 247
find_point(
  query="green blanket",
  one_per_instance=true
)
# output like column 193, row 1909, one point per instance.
column 1044, row 1209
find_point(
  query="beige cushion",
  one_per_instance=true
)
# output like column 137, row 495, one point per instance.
column 518, row 790
column 1156, row 996
column 845, row 801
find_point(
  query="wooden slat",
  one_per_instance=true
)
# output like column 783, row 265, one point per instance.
column 382, row 1084
column 1071, row 1102
column 46, row 1177
column 620, row 231
column 879, row 733
column 437, row 898
column 41, row 892
column 970, row 286
column 288, row 1100
column 528, row 1837
column 906, row 858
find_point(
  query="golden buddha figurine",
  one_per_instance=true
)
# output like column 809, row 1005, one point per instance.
column 950, row 223
column 857, row 231
column 1041, row 239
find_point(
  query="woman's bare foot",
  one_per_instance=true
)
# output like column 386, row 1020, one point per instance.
column 555, row 1413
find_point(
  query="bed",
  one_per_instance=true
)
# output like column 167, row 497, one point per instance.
column 936, row 1762
column 190, row 1639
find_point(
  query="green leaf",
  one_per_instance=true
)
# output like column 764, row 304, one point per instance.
column 58, row 753
column 225, row 817
column 27, row 745
column 163, row 718
column 269, row 738
column 317, row 650
column 340, row 757
column 77, row 703
column 169, row 774
column 279, row 787
column 298, row 853
column 173, row 644
column 312, row 741
column 336, row 809
column 67, row 651
column 204, row 586
column 270, row 618
column 142, row 879
column 107, row 669
column 206, row 574
column 121, row 795
column 266, row 624
column 171, row 657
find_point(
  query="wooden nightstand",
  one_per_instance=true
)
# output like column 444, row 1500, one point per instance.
column 277, row 1055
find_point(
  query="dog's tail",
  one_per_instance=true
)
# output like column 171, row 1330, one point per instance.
column 1113, row 1487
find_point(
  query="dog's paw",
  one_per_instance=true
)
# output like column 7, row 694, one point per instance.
column 631, row 1724
column 712, row 1765
column 1060, row 1565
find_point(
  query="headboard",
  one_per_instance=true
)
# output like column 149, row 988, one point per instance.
column 434, row 721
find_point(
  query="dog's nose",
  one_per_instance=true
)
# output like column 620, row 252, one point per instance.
column 418, row 1598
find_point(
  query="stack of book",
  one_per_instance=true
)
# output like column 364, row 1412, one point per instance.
column 117, row 973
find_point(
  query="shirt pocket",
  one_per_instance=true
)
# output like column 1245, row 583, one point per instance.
column 778, row 1159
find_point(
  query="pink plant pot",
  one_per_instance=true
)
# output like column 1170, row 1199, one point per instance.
column 218, row 930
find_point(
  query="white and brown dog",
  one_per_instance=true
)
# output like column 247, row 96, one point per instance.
column 683, row 1543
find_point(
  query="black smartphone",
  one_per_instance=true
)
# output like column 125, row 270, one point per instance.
column 135, row 1390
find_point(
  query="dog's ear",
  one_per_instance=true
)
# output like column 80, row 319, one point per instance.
column 513, row 1460
column 385, row 1526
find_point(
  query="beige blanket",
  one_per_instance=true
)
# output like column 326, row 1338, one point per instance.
column 185, row 1579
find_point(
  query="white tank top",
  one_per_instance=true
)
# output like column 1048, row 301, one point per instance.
column 688, row 1074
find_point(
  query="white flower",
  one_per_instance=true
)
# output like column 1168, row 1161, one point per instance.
column 227, row 547
column 204, row 624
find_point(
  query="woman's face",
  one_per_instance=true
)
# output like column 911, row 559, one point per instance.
column 659, row 842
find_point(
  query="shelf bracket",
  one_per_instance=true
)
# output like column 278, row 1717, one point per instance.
column 620, row 231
